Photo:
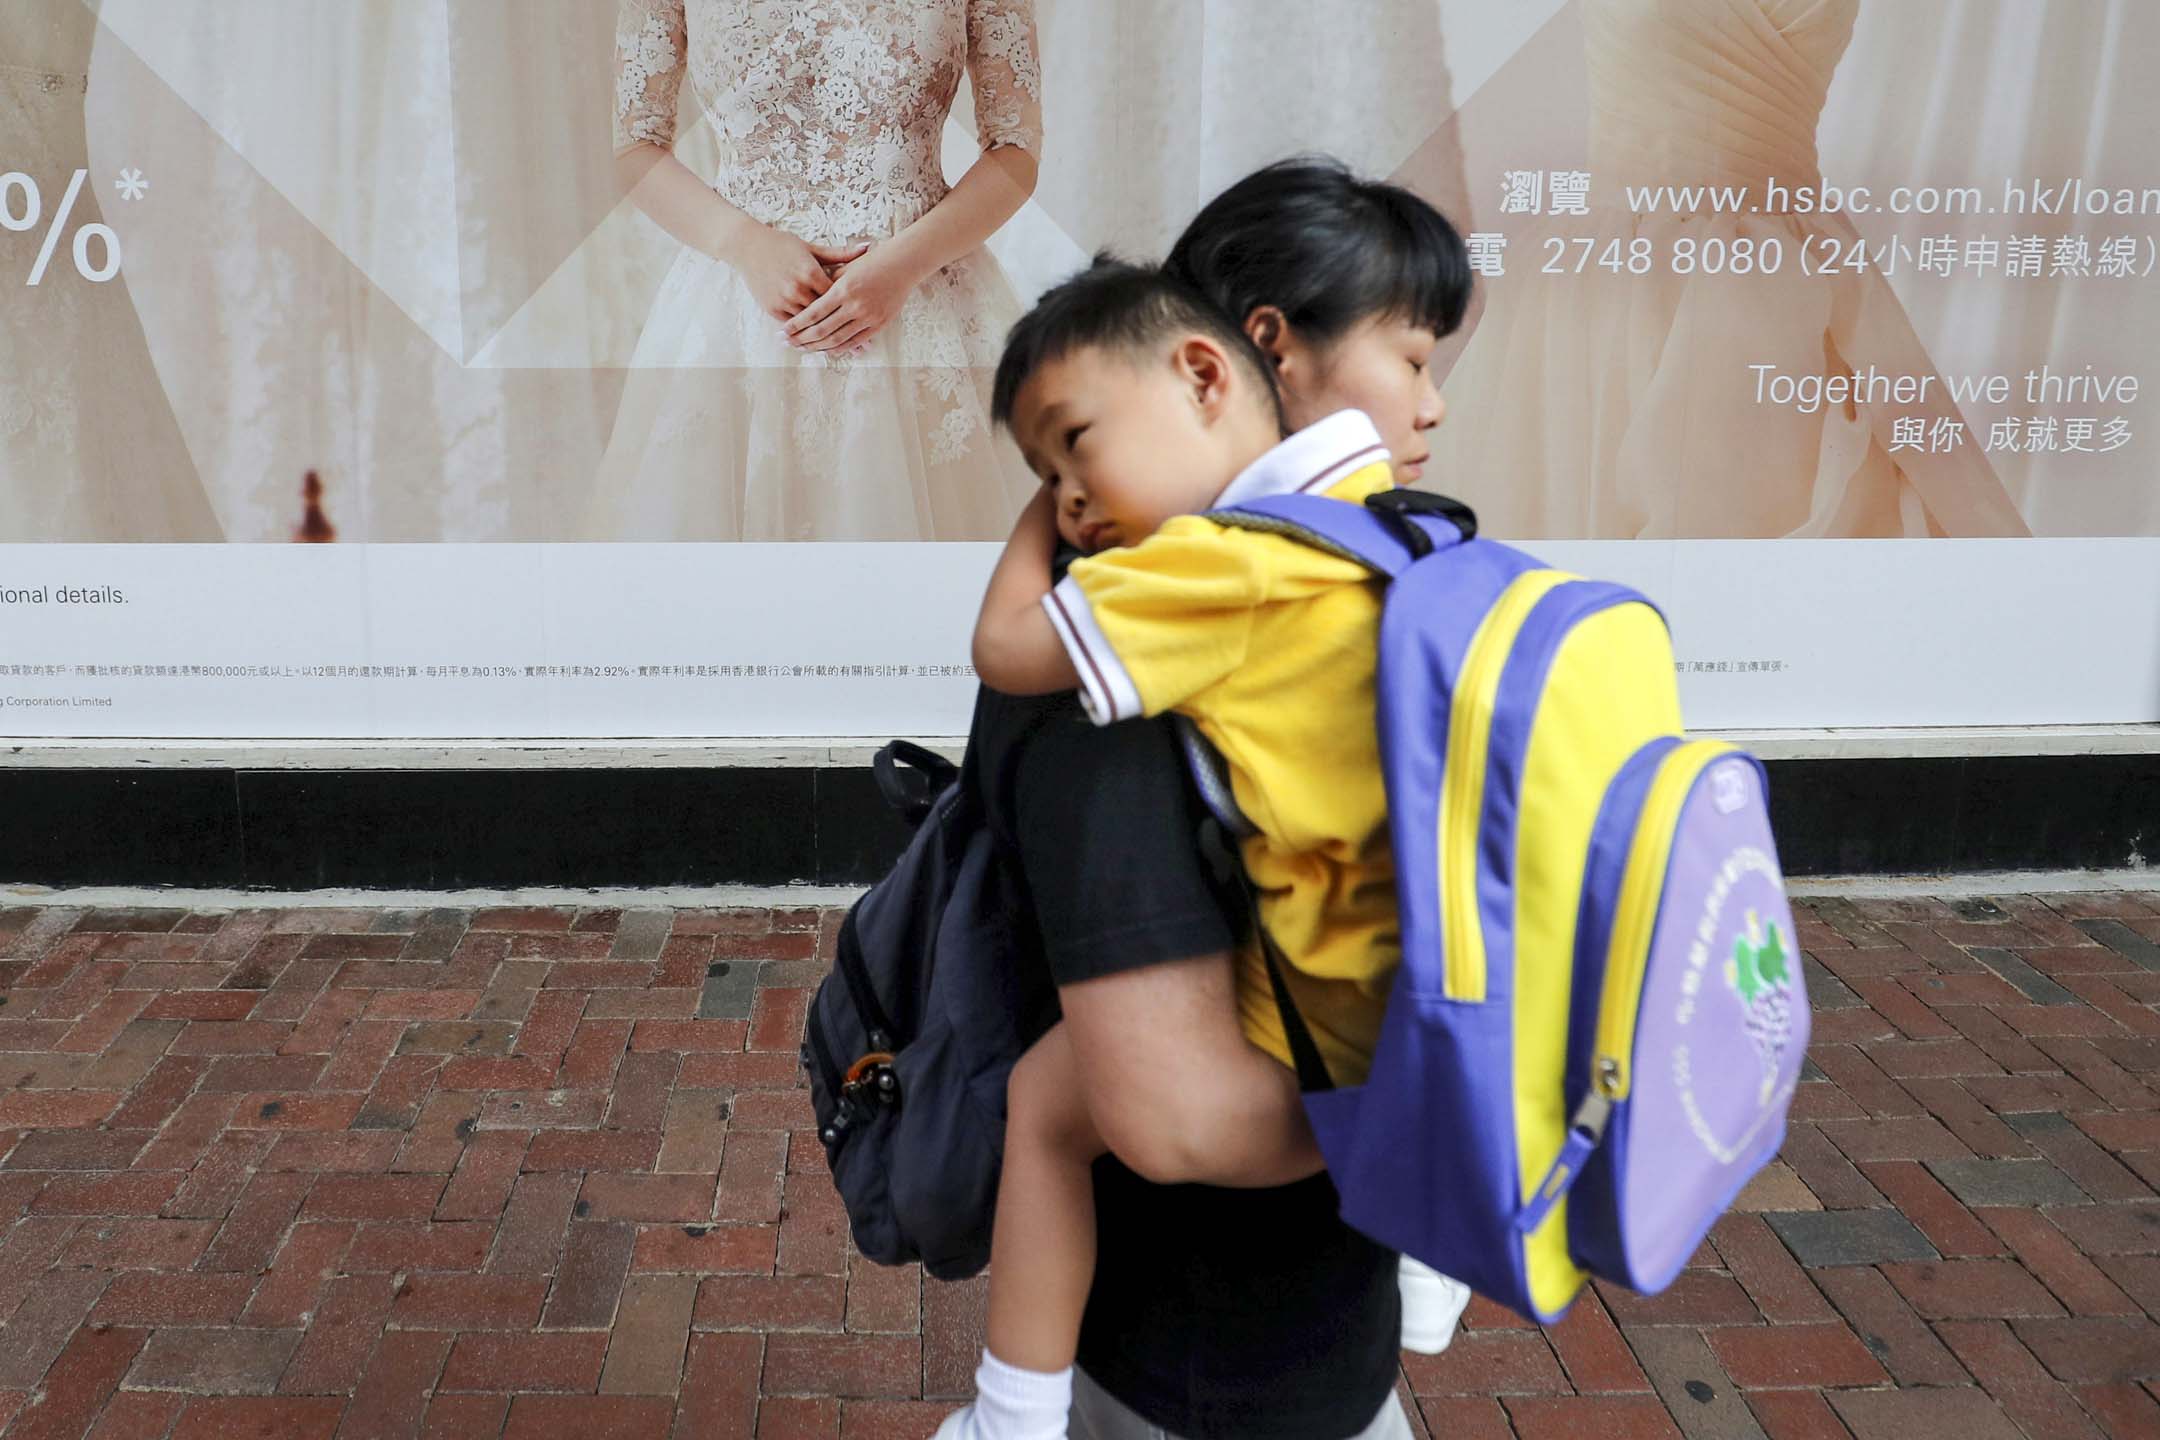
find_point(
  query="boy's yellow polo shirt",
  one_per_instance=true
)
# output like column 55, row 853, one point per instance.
column 1269, row 645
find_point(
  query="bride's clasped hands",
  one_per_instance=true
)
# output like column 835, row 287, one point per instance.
column 867, row 289
column 785, row 273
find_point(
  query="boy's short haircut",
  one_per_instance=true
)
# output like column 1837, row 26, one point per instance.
column 1117, row 305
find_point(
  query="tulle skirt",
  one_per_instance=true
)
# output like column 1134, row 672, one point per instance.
column 726, row 432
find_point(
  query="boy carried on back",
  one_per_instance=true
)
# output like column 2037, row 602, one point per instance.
column 1140, row 407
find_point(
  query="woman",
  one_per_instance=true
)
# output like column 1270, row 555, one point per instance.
column 1204, row 1320
column 817, row 360
column 1347, row 286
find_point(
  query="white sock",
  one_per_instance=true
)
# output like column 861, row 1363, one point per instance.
column 1016, row 1404
column 1432, row 1306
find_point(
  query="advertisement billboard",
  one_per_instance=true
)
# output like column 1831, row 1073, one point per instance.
column 416, row 368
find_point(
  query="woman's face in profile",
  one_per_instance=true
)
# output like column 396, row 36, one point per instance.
column 1381, row 366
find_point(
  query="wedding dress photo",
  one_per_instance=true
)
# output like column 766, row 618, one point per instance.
column 89, row 450
column 828, row 118
column 1595, row 403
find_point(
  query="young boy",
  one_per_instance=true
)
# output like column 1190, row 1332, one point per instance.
column 1140, row 406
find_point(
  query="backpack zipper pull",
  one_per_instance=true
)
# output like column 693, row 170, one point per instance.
column 1586, row 1128
column 1590, row 1117
column 871, row 1079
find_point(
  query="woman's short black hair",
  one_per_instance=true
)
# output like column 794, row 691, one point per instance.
column 1326, row 248
column 1114, row 304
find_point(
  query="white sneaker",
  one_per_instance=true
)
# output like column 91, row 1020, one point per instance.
column 1432, row 1306
column 961, row 1425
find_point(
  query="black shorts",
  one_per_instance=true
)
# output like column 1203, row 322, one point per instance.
column 1214, row 1313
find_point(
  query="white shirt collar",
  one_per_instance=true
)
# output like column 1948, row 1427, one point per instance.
column 1309, row 461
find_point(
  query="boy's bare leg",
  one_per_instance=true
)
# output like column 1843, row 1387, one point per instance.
column 1209, row 1108
column 1226, row 1114
column 1239, row 1123
column 1042, row 1252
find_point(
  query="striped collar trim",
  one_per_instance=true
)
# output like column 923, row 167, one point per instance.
column 1310, row 461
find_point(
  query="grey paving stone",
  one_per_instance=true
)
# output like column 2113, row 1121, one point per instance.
column 2038, row 1122
column 458, row 1037
column 1850, row 1237
column 2007, row 1182
column 438, row 935
column 1978, row 910
column 1824, row 990
column 47, row 928
column 395, row 922
column 1963, row 1411
column 730, row 986
column 641, row 934
column 2035, row 986
column 2123, row 940
column 1704, row 1402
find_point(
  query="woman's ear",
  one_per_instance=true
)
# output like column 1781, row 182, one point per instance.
column 1267, row 329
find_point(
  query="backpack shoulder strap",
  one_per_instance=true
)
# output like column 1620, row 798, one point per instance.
column 1218, row 839
column 1211, row 777
column 1385, row 537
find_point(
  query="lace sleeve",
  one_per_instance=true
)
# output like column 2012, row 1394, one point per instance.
column 1006, row 73
column 650, row 45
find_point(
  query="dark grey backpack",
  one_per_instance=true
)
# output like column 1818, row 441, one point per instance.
column 938, row 987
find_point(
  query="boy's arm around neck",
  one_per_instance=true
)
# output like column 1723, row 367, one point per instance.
column 1017, row 649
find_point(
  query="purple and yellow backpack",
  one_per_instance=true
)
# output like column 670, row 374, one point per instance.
column 1599, row 1019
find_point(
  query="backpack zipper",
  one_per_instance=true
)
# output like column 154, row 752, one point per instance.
column 847, row 959
column 1462, row 790
column 1628, row 956
column 820, row 1053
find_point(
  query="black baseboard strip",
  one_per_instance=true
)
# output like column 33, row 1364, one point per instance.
column 1966, row 816
column 281, row 830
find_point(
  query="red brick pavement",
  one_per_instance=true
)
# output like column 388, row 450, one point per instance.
column 516, row 1172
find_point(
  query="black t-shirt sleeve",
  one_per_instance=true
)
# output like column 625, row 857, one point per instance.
column 1107, row 826
column 1112, row 852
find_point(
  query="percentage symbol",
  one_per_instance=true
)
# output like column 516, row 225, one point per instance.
column 32, row 207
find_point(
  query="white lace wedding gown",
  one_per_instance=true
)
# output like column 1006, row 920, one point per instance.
column 89, row 450
column 828, row 116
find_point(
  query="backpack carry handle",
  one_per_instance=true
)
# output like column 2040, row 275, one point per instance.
column 1396, row 507
column 911, row 777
